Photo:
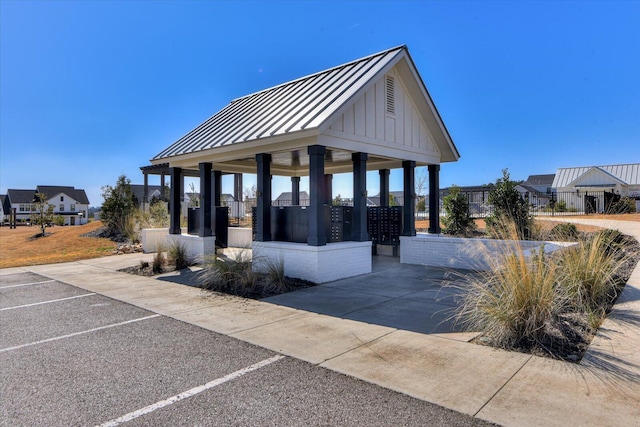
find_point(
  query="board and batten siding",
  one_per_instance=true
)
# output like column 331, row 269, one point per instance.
column 368, row 117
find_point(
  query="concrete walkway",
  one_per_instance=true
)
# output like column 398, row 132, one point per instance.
column 436, row 364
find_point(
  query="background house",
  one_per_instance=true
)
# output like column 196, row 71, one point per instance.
column 154, row 192
column 537, row 189
column 285, row 199
column 5, row 208
column 592, row 186
column 68, row 202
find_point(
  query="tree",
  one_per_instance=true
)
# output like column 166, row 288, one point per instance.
column 508, row 207
column 250, row 193
column 337, row 201
column 42, row 212
column 117, row 207
column 457, row 220
column 421, row 183
column 194, row 200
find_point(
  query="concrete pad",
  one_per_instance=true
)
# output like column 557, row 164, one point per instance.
column 235, row 315
column 313, row 337
column 456, row 375
column 410, row 315
column 325, row 300
column 556, row 393
column 379, row 284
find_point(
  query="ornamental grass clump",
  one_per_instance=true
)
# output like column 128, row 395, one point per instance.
column 229, row 275
column 177, row 255
column 159, row 261
column 589, row 273
column 514, row 301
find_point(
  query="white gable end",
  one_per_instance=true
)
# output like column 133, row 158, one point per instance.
column 595, row 177
column 385, row 115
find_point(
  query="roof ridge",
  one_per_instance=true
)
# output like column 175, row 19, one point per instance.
column 328, row 70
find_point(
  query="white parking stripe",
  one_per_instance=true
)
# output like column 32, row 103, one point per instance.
column 178, row 397
column 113, row 325
column 26, row 284
column 46, row 302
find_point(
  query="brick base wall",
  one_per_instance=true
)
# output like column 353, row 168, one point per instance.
column 318, row 264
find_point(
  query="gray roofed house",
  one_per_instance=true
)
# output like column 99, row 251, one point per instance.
column 285, row 198
column 50, row 191
column 70, row 203
column 5, row 207
column 539, row 181
column 537, row 188
column 153, row 192
column 21, row 196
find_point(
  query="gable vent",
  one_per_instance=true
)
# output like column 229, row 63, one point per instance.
column 390, row 94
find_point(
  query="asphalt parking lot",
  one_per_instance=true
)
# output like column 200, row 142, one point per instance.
column 72, row 357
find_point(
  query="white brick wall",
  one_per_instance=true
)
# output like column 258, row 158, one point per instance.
column 318, row 264
column 197, row 247
column 437, row 251
column 152, row 237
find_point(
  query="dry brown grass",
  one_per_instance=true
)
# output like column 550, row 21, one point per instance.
column 548, row 225
column 18, row 247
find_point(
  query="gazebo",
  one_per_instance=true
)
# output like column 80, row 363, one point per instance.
column 370, row 114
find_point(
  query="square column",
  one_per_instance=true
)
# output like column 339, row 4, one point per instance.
column 359, row 224
column 217, row 188
column 205, row 200
column 328, row 189
column 295, row 190
column 145, row 193
column 263, row 195
column 174, row 201
column 434, row 199
column 409, row 209
column 317, row 235
column 237, row 187
column 384, row 187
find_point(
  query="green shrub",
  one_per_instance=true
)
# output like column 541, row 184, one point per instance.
column 561, row 206
column 158, row 215
column 457, row 220
column 508, row 205
column 564, row 232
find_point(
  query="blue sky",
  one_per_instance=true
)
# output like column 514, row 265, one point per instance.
column 93, row 90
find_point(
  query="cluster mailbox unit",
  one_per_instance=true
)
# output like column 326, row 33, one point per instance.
column 291, row 224
column 384, row 225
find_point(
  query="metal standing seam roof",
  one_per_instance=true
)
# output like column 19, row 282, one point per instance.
column 627, row 173
column 299, row 105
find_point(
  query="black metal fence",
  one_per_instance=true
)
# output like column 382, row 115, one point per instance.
column 551, row 204
column 540, row 204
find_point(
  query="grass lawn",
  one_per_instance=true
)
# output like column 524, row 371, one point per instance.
column 18, row 247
